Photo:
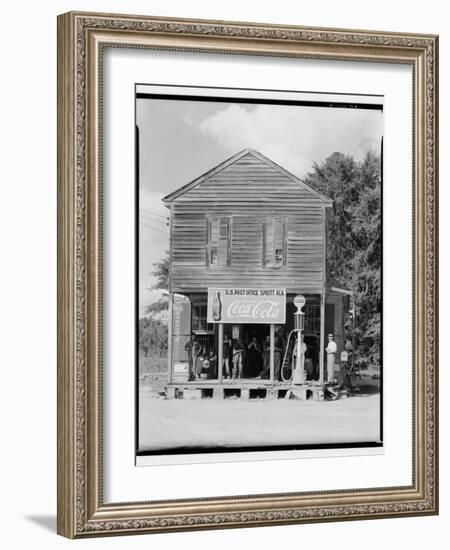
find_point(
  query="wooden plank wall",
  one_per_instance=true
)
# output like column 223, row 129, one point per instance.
column 248, row 191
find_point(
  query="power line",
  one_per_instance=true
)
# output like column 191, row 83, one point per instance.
column 154, row 220
column 154, row 228
column 154, row 216
column 154, row 213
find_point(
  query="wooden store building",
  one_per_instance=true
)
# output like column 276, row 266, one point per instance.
column 246, row 238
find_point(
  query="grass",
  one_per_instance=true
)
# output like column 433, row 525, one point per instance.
column 153, row 363
column 153, row 370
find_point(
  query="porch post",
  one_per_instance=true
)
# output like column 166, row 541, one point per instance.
column 322, row 337
column 220, row 355
column 169, row 342
column 272, row 353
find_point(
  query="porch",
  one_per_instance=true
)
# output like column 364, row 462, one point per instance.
column 246, row 389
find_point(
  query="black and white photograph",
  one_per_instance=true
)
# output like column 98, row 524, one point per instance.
column 230, row 234
column 259, row 219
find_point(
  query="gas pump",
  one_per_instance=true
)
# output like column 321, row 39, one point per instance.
column 298, row 375
column 299, row 327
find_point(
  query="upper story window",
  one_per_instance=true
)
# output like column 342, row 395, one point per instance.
column 274, row 242
column 219, row 241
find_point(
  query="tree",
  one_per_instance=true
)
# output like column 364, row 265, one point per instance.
column 161, row 272
column 152, row 336
column 153, row 331
column 354, row 239
column 367, row 262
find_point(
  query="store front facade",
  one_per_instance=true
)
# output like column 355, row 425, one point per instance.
column 246, row 238
column 190, row 315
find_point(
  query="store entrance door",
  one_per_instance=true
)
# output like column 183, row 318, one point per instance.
column 257, row 349
column 254, row 341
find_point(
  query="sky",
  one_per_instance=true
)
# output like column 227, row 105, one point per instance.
column 180, row 140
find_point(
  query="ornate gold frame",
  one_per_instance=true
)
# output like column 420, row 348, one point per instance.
column 81, row 37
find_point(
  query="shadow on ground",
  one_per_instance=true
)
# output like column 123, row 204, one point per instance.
column 46, row 522
column 364, row 390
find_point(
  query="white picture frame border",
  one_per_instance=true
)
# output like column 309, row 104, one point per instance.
column 122, row 70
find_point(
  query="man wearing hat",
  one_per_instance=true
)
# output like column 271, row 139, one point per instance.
column 331, row 350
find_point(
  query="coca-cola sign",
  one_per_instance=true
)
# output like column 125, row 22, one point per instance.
column 247, row 305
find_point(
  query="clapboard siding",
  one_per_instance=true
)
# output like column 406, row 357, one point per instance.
column 248, row 191
column 248, row 179
column 305, row 255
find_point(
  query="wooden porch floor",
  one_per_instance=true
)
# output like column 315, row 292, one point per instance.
column 232, row 382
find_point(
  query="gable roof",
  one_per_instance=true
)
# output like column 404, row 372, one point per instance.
column 235, row 158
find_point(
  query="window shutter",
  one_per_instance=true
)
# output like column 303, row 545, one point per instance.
column 213, row 242
column 278, row 242
column 224, row 234
column 274, row 253
column 219, row 241
column 268, row 241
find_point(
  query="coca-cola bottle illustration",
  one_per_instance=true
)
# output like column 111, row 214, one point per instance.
column 216, row 307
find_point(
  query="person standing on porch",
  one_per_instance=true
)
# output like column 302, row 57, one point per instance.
column 238, row 359
column 198, row 361
column 331, row 350
column 193, row 349
column 226, row 355
column 278, row 350
column 212, row 373
column 266, row 357
column 254, row 363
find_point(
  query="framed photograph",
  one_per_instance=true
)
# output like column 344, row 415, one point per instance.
column 247, row 283
column 275, row 277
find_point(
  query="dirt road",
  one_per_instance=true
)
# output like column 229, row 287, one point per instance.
column 173, row 423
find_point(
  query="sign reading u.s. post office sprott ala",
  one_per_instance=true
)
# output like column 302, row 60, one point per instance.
column 247, row 305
